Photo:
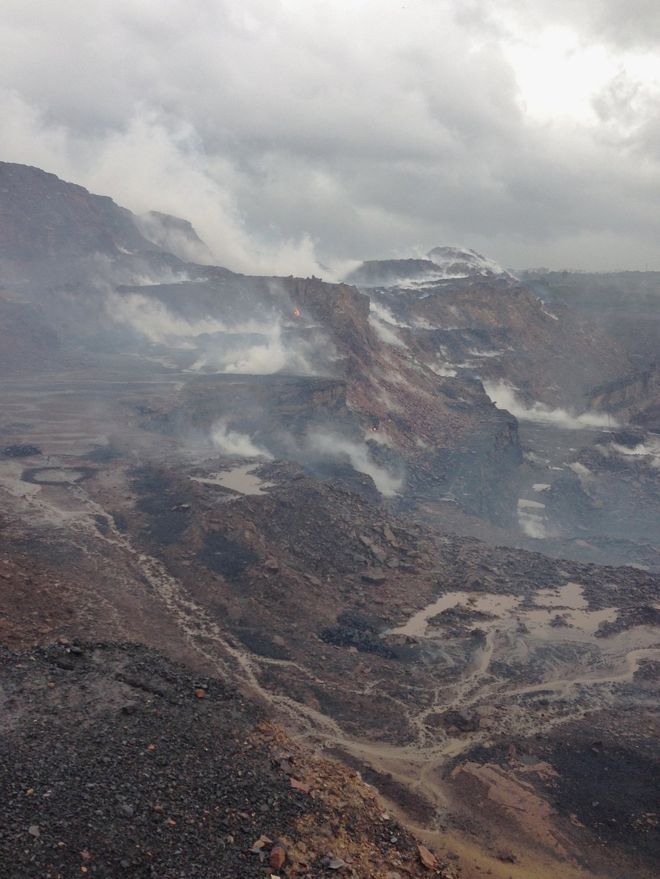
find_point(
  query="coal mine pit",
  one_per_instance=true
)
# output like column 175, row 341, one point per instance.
column 228, row 599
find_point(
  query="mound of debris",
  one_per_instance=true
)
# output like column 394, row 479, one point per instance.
column 114, row 762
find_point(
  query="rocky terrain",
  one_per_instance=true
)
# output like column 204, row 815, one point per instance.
column 276, row 486
column 397, row 649
column 467, row 317
column 117, row 763
column 635, row 398
column 623, row 304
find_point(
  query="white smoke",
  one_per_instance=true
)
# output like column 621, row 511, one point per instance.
column 531, row 519
column 532, row 525
column 503, row 395
column 154, row 162
column 174, row 238
column 153, row 320
column 385, row 334
column 442, row 370
column 384, row 314
column 378, row 436
column 269, row 356
column 249, row 347
column 358, row 454
column 263, row 358
column 235, row 444
column 382, row 322
column 649, row 451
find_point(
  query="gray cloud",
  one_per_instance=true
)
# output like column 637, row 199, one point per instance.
column 294, row 132
column 634, row 23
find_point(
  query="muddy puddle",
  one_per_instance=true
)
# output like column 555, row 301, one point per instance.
column 570, row 595
column 56, row 475
column 495, row 605
column 241, row 480
column 493, row 649
column 548, row 615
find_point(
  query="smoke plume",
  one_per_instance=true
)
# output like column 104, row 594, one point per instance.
column 503, row 395
column 234, row 444
column 332, row 446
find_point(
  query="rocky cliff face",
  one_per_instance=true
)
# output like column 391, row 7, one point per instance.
column 494, row 328
column 442, row 263
column 622, row 304
column 635, row 398
column 411, row 350
column 173, row 235
column 386, row 272
column 43, row 217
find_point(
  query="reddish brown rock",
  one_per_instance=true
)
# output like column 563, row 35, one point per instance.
column 277, row 857
column 427, row 858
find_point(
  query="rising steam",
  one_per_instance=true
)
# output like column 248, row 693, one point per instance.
column 235, row 444
column 332, row 446
column 383, row 323
column 503, row 395
column 153, row 320
column 245, row 347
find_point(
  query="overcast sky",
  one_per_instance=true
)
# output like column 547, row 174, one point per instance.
column 291, row 131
